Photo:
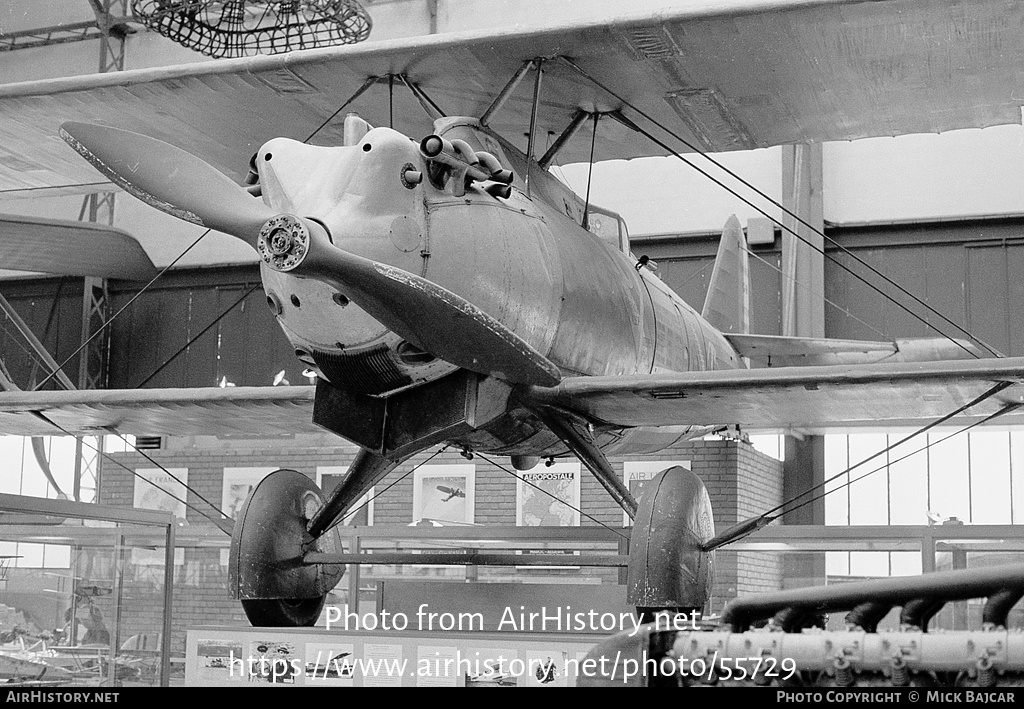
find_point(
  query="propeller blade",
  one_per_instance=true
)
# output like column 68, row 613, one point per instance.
column 169, row 179
column 70, row 248
column 428, row 315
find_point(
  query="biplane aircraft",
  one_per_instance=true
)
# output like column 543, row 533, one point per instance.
column 445, row 287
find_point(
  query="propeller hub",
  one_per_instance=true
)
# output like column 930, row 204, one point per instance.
column 283, row 242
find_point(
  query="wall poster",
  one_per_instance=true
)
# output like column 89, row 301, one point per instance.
column 152, row 486
column 238, row 483
column 549, row 496
column 636, row 472
column 444, row 493
column 361, row 515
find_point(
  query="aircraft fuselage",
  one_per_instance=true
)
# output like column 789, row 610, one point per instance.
column 576, row 297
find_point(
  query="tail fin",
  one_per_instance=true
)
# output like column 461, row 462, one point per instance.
column 727, row 306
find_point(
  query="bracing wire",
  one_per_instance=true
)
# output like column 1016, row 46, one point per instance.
column 193, row 339
column 590, row 174
column 831, row 258
column 173, row 476
column 924, row 429
column 781, row 207
column 135, row 297
column 124, row 307
column 554, row 497
column 750, row 525
column 1005, row 410
column 409, row 472
column 835, row 305
column 218, row 523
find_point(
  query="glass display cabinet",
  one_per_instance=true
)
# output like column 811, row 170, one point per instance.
column 85, row 594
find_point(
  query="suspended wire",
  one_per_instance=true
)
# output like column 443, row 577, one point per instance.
column 124, row 307
column 192, row 340
column 826, row 255
column 750, row 525
column 351, row 512
column 830, row 302
column 694, row 276
column 551, row 495
column 166, row 268
column 786, row 211
column 1005, row 410
column 359, row 92
column 216, row 522
column 924, row 429
column 173, row 476
column 15, row 339
column 49, row 323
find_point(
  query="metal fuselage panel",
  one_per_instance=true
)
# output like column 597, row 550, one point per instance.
column 525, row 261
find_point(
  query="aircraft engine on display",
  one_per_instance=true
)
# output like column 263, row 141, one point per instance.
column 792, row 649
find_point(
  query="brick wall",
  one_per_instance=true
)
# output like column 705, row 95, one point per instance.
column 740, row 481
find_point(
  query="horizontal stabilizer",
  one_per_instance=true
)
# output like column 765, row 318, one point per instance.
column 775, row 351
column 70, row 248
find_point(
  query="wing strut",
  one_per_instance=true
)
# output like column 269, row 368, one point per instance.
column 576, row 434
column 504, row 94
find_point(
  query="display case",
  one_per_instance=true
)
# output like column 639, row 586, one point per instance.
column 85, row 594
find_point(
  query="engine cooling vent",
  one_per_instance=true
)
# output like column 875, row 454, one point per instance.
column 369, row 372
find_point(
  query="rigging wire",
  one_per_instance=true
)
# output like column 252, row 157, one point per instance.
column 828, row 256
column 835, row 305
column 924, row 429
column 15, row 339
column 353, row 511
column 164, row 270
column 590, row 173
column 124, row 307
column 49, row 324
column 781, row 207
column 218, row 523
column 1004, row 410
column 193, row 339
column 135, row 297
column 752, row 524
column 172, row 475
column 549, row 494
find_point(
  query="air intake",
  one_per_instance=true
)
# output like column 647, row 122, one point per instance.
column 149, row 443
column 240, row 28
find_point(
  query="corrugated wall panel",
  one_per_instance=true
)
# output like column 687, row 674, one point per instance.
column 252, row 350
column 34, row 302
column 246, row 347
column 146, row 334
column 932, row 273
column 995, row 294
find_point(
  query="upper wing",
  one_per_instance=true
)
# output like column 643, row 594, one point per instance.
column 249, row 411
column 807, row 398
column 728, row 75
